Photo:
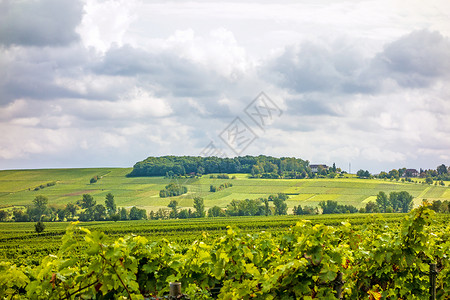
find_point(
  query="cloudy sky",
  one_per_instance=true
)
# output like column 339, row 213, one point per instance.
column 108, row 83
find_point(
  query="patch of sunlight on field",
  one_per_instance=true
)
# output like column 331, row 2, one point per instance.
column 369, row 199
column 300, row 197
column 446, row 194
column 324, row 197
column 435, row 192
column 292, row 190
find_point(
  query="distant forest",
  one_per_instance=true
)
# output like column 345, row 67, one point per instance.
column 255, row 165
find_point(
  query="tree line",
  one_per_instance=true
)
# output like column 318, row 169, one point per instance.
column 85, row 209
column 182, row 165
column 436, row 176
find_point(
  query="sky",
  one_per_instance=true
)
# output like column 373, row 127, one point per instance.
column 104, row 83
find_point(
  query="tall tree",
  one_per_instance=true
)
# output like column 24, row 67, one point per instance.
column 280, row 206
column 123, row 214
column 199, row 207
column 383, row 201
column 405, row 201
column 71, row 209
column 99, row 212
column 87, row 201
column 110, row 204
column 173, row 205
column 442, row 169
column 40, row 204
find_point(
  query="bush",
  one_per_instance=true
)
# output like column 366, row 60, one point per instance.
column 39, row 227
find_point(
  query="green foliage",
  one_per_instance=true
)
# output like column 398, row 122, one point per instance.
column 137, row 213
column 383, row 202
column 87, row 201
column 3, row 215
column 110, row 204
column 39, row 227
column 181, row 165
column 199, row 207
column 377, row 260
column 93, row 179
column 40, row 204
column 223, row 186
column 172, row 190
column 332, row 207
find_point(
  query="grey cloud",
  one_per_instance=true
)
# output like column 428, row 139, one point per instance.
column 39, row 23
column 177, row 76
column 415, row 60
column 31, row 72
column 311, row 105
column 307, row 69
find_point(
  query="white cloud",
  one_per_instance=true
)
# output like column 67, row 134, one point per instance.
column 362, row 82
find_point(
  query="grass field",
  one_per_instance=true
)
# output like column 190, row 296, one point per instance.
column 17, row 189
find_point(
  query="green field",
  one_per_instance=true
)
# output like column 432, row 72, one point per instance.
column 17, row 189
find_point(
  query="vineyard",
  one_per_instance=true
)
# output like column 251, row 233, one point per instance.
column 19, row 242
column 375, row 259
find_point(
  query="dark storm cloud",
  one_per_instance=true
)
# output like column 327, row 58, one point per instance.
column 39, row 23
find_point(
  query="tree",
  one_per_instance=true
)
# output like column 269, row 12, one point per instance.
column 137, row 214
column 328, row 207
column 87, row 201
column 61, row 214
column 393, row 199
column 280, row 206
column 382, row 201
column 394, row 174
column 267, row 210
column 371, row 207
column 20, row 216
column 442, row 169
column 405, row 201
column 429, row 180
column 110, row 204
column 215, row 211
column 199, row 207
column 173, row 205
column 134, row 213
column 99, row 212
column 123, row 214
column 40, row 205
column 3, row 215
column 39, row 227
column 71, row 209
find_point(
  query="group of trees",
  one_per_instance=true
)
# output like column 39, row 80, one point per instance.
column 176, row 212
column 332, row 207
column 252, row 207
column 441, row 173
column 85, row 209
column 363, row 174
column 213, row 188
column 172, row 190
column 181, row 165
column 396, row 202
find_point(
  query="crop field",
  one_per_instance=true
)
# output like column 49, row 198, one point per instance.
column 17, row 189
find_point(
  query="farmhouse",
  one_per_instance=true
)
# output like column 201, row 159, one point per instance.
column 315, row 168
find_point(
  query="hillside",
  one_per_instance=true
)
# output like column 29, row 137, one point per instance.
column 17, row 188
